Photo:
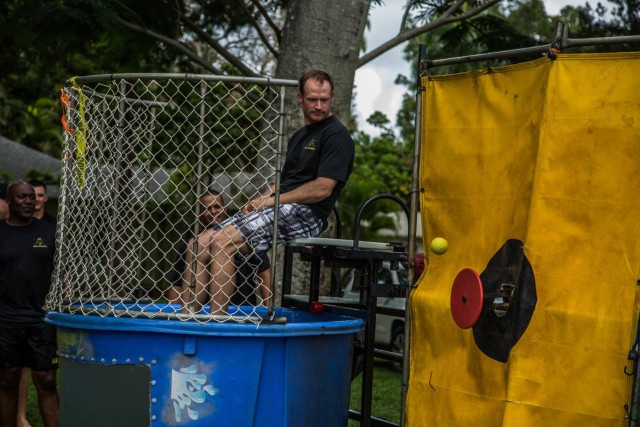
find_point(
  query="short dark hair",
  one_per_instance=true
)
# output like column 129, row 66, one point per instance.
column 318, row 75
column 214, row 193
column 3, row 190
column 38, row 183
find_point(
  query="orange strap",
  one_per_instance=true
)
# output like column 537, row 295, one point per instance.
column 66, row 107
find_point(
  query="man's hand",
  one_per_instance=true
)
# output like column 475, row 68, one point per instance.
column 311, row 192
column 257, row 203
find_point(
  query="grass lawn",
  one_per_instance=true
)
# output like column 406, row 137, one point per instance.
column 387, row 386
column 387, row 389
column 33, row 413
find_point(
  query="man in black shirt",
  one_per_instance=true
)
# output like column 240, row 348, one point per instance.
column 318, row 163
column 41, row 200
column 27, row 248
column 39, row 212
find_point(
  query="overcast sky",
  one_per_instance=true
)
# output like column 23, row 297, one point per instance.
column 375, row 90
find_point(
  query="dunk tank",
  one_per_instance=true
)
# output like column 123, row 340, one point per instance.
column 531, row 172
column 144, row 337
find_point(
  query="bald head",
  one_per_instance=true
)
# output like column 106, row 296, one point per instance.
column 21, row 198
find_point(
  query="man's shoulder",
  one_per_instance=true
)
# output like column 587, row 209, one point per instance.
column 332, row 122
column 329, row 131
column 49, row 218
column 330, row 128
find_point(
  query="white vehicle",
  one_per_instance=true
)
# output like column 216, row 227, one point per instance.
column 389, row 334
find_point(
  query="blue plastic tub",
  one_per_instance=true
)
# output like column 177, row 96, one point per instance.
column 144, row 372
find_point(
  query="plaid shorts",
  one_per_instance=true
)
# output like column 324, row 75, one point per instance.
column 294, row 220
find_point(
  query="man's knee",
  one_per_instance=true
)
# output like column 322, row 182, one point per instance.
column 9, row 378
column 45, row 381
column 197, row 248
column 194, row 246
column 225, row 240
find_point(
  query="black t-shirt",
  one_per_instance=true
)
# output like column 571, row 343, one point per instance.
column 49, row 218
column 26, row 264
column 323, row 149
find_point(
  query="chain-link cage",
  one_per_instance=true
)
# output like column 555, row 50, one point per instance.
column 152, row 164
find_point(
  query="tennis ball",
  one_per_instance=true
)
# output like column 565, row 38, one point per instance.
column 439, row 246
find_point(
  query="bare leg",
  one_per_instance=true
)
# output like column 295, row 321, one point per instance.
column 45, row 383
column 9, row 384
column 185, row 291
column 264, row 284
column 202, row 260
column 222, row 285
column 224, row 245
column 22, row 398
column 173, row 294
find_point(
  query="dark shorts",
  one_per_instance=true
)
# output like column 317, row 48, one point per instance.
column 31, row 346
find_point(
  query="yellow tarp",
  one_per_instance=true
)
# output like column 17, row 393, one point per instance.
column 547, row 152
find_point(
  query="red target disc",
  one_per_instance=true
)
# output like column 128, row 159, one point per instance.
column 466, row 298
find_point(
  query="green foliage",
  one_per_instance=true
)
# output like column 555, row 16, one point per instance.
column 383, row 165
column 512, row 25
column 622, row 18
column 5, row 177
column 528, row 17
column 489, row 31
column 40, row 123
column 37, row 125
column 43, row 44
column 89, row 40
column 41, row 175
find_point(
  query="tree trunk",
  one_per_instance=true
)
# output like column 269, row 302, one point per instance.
column 324, row 34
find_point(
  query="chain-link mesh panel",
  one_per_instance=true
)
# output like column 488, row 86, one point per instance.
column 152, row 164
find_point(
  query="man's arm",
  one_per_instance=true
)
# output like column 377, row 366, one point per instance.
column 311, row 192
column 269, row 191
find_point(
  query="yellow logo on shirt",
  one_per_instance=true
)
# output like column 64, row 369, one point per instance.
column 311, row 145
column 39, row 243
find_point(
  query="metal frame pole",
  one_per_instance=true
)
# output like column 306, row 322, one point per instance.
column 276, row 201
column 413, row 219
